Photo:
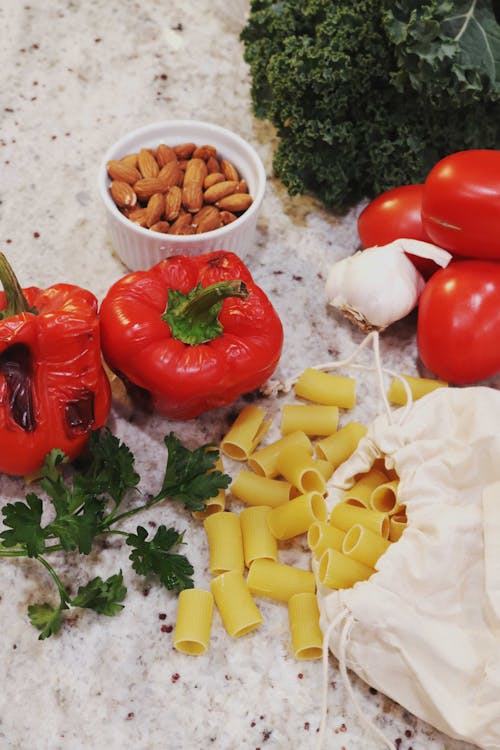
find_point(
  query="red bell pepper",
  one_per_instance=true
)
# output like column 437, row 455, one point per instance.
column 53, row 388
column 193, row 332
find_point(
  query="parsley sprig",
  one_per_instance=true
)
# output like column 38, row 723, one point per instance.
column 90, row 501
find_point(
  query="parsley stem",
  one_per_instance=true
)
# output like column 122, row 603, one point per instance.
column 62, row 591
column 131, row 512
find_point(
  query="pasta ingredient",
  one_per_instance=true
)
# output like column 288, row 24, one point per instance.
column 338, row 447
column 191, row 334
column 258, row 542
column 384, row 498
column 361, row 492
column 235, row 603
column 337, row 571
column 343, row 516
column 297, row 466
column 279, row 581
column 254, row 489
column 458, row 321
column 364, row 545
column 323, row 388
column 296, row 516
column 311, row 419
column 358, row 285
column 225, row 542
column 322, row 536
column 418, row 387
column 194, row 621
column 86, row 504
column 245, row 433
column 265, row 460
column 303, row 614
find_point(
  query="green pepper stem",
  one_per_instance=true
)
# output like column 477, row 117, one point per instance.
column 16, row 301
column 193, row 317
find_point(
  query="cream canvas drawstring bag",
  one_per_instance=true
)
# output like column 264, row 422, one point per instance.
column 425, row 628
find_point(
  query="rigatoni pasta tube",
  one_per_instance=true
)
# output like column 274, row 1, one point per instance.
column 397, row 524
column 214, row 504
column 194, row 621
column 338, row 447
column 343, row 516
column 385, row 497
column 236, row 606
column 309, row 418
column 295, row 517
column 299, row 468
column 225, row 542
column 279, row 581
column 418, row 387
column 264, row 460
column 361, row 491
column 303, row 615
column 245, row 434
column 323, row 388
column 257, row 538
column 364, row 545
column 253, row 489
column 321, row 536
column 337, row 571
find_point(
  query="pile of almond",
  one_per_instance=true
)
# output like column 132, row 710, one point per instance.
column 183, row 189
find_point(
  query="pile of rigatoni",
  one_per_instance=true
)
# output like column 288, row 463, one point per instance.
column 283, row 488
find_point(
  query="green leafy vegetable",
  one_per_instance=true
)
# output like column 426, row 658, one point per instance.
column 154, row 556
column 190, row 476
column 84, row 503
column 370, row 95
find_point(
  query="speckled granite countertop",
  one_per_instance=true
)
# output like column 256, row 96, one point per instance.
column 75, row 76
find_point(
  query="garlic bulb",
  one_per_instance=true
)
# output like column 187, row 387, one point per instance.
column 379, row 285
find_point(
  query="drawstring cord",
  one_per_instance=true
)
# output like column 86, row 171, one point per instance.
column 275, row 387
column 345, row 615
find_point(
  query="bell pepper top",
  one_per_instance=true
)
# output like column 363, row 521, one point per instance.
column 14, row 296
column 194, row 317
column 191, row 334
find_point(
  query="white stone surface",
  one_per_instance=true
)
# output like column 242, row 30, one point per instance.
column 76, row 76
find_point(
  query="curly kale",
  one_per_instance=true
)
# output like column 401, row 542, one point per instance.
column 369, row 95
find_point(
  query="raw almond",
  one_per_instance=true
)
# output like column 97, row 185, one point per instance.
column 192, row 196
column 209, row 221
column 242, row 186
column 122, row 193
column 212, row 178
column 195, row 173
column 171, row 173
column 183, row 220
column 213, row 164
column 148, row 166
column 164, row 154
column 184, row 150
column 155, row 209
column 130, row 160
column 220, row 190
column 148, row 186
column 173, row 202
column 229, row 170
column 117, row 170
column 204, row 152
column 236, row 202
column 160, row 226
column 227, row 217
column 138, row 216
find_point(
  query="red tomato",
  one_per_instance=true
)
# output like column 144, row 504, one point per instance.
column 393, row 215
column 461, row 203
column 459, row 322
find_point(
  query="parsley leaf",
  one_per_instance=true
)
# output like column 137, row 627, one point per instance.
column 102, row 596
column 24, row 520
column 111, row 470
column 45, row 618
column 154, row 556
column 78, row 530
column 190, row 476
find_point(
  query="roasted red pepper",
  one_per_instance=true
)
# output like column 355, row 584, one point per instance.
column 193, row 332
column 53, row 388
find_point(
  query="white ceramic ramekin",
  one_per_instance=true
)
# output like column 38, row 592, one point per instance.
column 140, row 248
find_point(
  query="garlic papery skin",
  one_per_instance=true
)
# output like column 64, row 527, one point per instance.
column 380, row 285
